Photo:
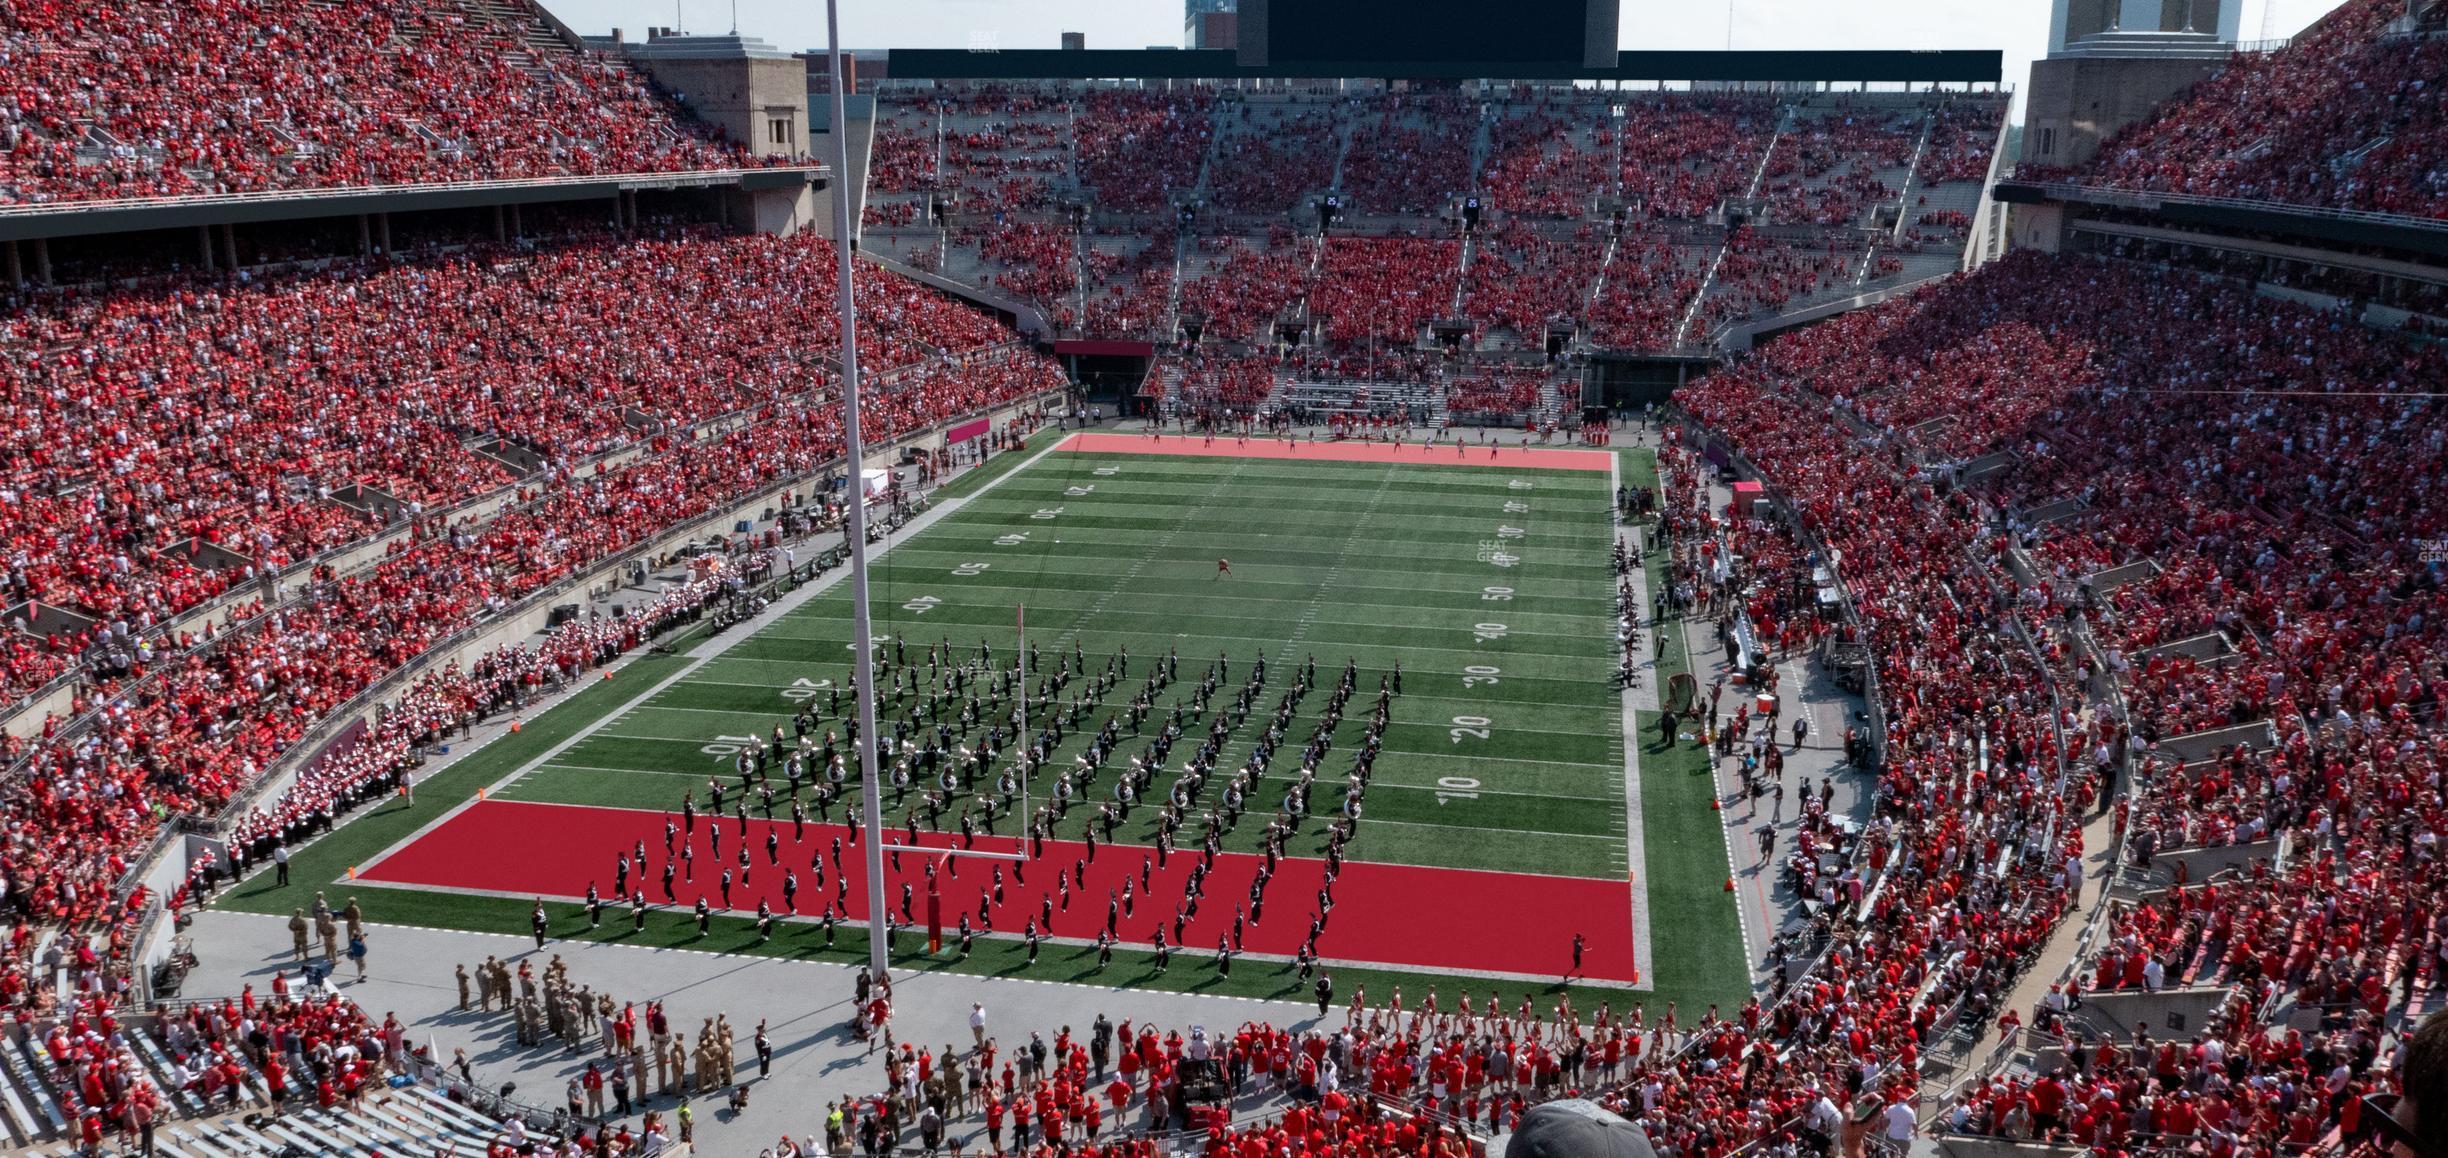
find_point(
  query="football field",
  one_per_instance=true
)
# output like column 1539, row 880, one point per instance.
column 1502, row 816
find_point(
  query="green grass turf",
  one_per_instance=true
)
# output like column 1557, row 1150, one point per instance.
column 1687, row 891
column 1382, row 564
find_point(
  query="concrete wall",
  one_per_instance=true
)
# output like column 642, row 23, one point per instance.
column 2200, row 864
column 783, row 212
column 2075, row 103
column 1989, row 234
column 2171, row 1013
column 1965, row 1146
column 2040, row 227
column 741, row 95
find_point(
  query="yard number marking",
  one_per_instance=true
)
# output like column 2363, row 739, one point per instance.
column 726, row 746
column 804, row 689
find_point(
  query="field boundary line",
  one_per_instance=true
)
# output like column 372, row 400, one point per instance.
column 1636, row 844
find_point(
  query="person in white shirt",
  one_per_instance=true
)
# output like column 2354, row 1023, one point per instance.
column 1899, row 1121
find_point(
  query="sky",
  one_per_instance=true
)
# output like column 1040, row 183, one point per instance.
column 2019, row 28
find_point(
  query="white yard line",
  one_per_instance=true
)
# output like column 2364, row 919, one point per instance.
column 1407, row 646
column 708, row 650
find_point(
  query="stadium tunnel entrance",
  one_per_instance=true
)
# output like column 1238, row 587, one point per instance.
column 1618, row 383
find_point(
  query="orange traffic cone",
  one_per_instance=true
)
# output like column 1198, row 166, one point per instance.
column 1715, row 805
column 514, row 724
column 480, row 792
column 607, row 673
column 1729, row 884
column 352, row 872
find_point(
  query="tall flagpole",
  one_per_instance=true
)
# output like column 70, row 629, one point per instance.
column 862, row 637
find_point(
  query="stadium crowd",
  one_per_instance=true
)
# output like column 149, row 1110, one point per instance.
column 1240, row 285
column 1137, row 147
column 2346, row 116
column 2233, row 454
column 194, row 725
column 1522, row 277
column 1972, row 852
column 1417, row 154
column 1547, row 158
column 157, row 99
column 155, row 431
column 1383, row 289
column 1272, row 158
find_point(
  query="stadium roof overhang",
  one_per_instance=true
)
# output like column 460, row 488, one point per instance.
column 1970, row 66
column 82, row 218
column 2388, row 231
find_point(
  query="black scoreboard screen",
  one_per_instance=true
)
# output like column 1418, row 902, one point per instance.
column 1416, row 31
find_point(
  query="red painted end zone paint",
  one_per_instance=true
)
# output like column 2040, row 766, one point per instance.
column 1401, row 915
column 1198, row 446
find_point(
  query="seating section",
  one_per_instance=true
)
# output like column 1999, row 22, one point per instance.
column 1215, row 389
column 1507, row 394
column 1549, row 158
column 1525, row 275
column 1681, row 158
column 1383, row 289
column 168, row 445
column 2262, row 518
column 1046, row 185
column 289, row 1072
column 160, row 98
column 1242, row 284
column 1410, row 153
column 1943, row 900
column 2344, row 117
column 198, row 415
column 1137, row 147
column 1647, row 289
column 1273, row 154
column 1828, row 168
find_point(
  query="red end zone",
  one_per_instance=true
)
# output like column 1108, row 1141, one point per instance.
column 1393, row 915
column 1200, row 446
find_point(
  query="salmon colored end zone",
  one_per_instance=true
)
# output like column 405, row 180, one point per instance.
column 1200, row 446
column 1402, row 916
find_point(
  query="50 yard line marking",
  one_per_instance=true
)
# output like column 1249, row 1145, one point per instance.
column 1334, row 574
column 1162, row 541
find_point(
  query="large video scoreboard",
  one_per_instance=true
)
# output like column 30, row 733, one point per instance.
column 1280, row 34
